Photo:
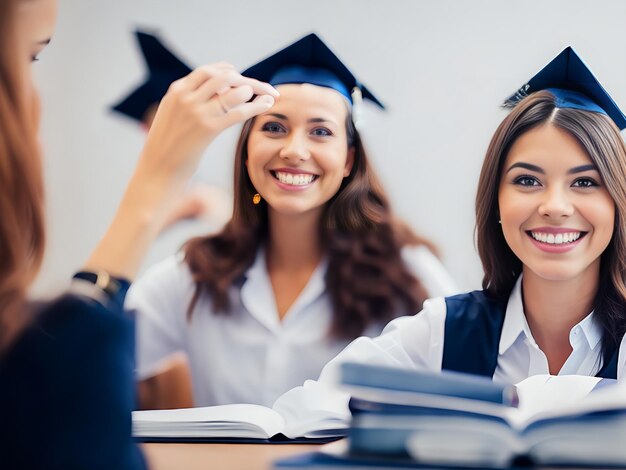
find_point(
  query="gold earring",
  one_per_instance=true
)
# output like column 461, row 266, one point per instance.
column 256, row 199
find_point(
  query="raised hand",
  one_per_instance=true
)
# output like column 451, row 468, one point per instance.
column 194, row 111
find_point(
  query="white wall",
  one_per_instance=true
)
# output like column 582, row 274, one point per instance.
column 441, row 66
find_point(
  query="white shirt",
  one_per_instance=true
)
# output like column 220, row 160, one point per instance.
column 417, row 342
column 247, row 355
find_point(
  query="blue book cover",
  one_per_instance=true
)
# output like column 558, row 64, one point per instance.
column 561, row 421
column 445, row 383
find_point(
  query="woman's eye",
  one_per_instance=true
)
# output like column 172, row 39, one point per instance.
column 585, row 183
column 273, row 127
column 34, row 58
column 321, row 132
column 526, row 180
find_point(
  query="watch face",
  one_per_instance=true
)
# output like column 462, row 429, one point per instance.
column 102, row 280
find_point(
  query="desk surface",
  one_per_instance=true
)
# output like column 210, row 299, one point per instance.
column 223, row 456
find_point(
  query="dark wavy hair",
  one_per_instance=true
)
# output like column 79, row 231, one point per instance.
column 367, row 280
column 602, row 141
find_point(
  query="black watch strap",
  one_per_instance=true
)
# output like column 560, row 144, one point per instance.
column 112, row 286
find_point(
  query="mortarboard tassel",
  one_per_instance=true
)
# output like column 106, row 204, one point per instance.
column 517, row 97
column 357, row 107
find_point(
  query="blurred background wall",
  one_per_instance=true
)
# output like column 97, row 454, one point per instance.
column 441, row 66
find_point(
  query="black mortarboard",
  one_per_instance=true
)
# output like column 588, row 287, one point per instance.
column 163, row 68
column 309, row 60
column 574, row 86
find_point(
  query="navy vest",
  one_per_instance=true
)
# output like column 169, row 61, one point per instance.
column 472, row 335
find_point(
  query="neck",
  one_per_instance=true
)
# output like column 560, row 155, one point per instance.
column 294, row 241
column 552, row 308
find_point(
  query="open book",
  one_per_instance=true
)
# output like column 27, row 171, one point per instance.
column 560, row 420
column 238, row 422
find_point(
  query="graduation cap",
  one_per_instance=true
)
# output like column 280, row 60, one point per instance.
column 309, row 60
column 573, row 85
column 163, row 68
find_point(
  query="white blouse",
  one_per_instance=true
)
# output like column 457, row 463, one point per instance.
column 247, row 355
column 417, row 342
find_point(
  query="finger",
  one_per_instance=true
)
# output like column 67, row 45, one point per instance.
column 245, row 111
column 235, row 97
column 222, row 82
column 224, row 65
column 202, row 74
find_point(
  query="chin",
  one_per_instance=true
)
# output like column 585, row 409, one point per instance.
column 291, row 209
column 558, row 273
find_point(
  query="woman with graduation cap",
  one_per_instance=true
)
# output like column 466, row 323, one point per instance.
column 551, row 234
column 311, row 259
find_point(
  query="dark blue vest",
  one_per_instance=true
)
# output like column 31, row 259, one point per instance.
column 472, row 335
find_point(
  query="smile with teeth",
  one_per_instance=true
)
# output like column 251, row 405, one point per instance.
column 556, row 238
column 297, row 179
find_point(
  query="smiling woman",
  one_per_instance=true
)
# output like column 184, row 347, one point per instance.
column 311, row 258
column 553, row 200
column 560, row 205
column 551, row 233
column 307, row 131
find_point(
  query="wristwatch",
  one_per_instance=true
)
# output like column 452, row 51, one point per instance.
column 102, row 279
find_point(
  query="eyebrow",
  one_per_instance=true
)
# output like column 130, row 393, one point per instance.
column 581, row 168
column 537, row 169
column 527, row 166
column 285, row 118
column 45, row 42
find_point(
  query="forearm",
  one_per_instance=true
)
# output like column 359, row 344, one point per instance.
column 135, row 225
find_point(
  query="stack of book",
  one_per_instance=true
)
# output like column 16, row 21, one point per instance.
column 411, row 419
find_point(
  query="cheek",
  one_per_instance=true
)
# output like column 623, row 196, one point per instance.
column 601, row 215
column 334, row 161
column 512, row 209
column 255, row 156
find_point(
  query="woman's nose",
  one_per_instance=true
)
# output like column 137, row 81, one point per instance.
column 295, row 148
column 556, row 204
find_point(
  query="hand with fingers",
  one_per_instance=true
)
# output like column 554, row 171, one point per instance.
column 194, row 111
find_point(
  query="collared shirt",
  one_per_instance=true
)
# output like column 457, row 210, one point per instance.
column 417, row 342
column 519, row 355
column 248, row 355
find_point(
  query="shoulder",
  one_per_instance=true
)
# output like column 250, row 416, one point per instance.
column 70, row 325
column 429, row 270
column 473, row 305
column 73, row 364
column 171, row 269
column 166, row 279
column 480, row 298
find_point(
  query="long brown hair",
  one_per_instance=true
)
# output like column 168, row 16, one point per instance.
column 366, row 279
column 22, row 237
column 602, row 141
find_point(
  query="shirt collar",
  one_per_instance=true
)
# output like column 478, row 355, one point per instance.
column 514, row 320
column 592, row 329
column 515, row 323
column 257, row 294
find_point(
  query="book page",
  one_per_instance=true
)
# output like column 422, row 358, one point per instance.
column 314, row 410
column 542, row 395
column 240, row 420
